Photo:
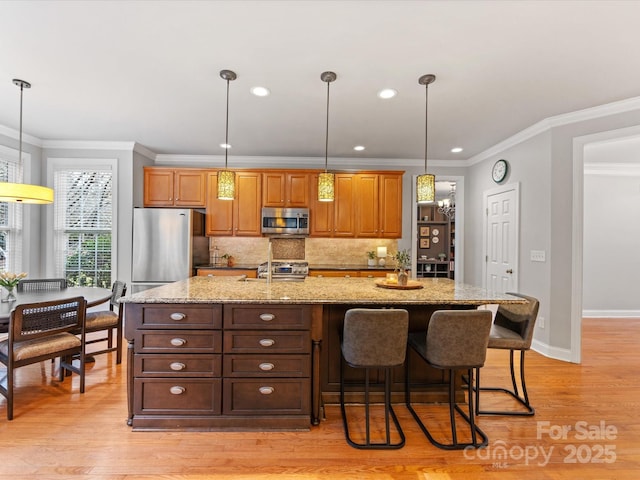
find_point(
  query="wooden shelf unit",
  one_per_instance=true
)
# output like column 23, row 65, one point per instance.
column 436, row 237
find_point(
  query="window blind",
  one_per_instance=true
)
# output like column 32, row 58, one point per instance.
column 82, row 225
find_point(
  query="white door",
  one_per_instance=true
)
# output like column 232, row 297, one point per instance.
column 501, row 248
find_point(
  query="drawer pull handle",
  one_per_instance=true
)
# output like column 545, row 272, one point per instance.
column 178, row 342
column 267, row 317
column 266, row 390
column 266, row 366
column 177, row 316
column 177, row 390
column 267, row 342
column 177, row 366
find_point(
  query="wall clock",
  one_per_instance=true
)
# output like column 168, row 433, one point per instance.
column 499, row 171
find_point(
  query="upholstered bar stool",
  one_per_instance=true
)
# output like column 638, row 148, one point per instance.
column 512, row 330
column 374, row 338
column 455, row 340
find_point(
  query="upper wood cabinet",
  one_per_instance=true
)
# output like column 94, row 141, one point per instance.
column 285, row 189
column 239, row 217
column 390, row 195
column 337, row 218
column 171, row 187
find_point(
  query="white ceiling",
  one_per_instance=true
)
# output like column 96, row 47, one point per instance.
column 148, row 72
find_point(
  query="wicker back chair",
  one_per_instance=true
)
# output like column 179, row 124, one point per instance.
column 40, row 284
column 108, row 321
column 42, row 331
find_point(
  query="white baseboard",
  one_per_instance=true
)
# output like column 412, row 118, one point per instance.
column 547, row 350
column 610, row 313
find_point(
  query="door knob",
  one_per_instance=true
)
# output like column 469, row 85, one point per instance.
column 510, row 271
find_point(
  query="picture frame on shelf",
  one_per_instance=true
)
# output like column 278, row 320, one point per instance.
column 424, row 243
column 424, row 232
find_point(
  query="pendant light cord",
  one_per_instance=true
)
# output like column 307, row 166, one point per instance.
column 226, row 135
column 426, row 124
column 20, row 139
column 326, row 142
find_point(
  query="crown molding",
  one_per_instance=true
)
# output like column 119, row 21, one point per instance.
column 546, row 124
column 612, row 169
column 335, row 163
column 87, row 145
column 15, row 134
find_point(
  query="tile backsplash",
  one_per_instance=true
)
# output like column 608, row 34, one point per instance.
column 316, row 251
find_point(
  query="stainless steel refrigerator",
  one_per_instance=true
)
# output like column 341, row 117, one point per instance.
column 167, row 244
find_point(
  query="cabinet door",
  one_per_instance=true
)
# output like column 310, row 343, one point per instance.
column 246, row 206
column 390, row 206
column 158, row 187
column 219, row 212
column 190, row 188
column 366, row 205
column 273, row 189
column 344, row 213
column 297, row 190
column 321, row 213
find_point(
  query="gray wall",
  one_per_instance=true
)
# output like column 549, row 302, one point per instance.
column 611, row 228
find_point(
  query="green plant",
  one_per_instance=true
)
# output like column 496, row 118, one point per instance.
column 371, row 255
column 402, row 259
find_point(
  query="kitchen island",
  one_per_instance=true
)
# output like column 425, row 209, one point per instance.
column 239, row 353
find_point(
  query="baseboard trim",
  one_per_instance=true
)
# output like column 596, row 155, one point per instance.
column 604, row 314
column 547, row 350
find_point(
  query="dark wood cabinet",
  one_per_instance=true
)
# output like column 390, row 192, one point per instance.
column 213, row 367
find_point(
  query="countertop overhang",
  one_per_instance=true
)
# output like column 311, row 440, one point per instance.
column 353, row 291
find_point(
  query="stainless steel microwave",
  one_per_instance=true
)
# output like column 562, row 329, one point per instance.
column 285, row 221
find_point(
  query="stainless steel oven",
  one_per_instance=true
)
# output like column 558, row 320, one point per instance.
column 285, row 221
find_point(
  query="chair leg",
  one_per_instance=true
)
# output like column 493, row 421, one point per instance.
column 453, row 408
column 522, row 400
column 388, row 411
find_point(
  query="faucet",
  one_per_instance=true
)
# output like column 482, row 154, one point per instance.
column 269, row 258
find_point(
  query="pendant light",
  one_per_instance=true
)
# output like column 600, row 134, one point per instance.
column 426, row 183
column 326, row 180
column 227, row 178
column 22, row 192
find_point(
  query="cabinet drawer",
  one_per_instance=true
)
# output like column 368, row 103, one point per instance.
column 181, row 316
column 172, row 341
column 267, row 366
column 180, row 365
column 194, row 396
column 266, row 396
column 254, row 341
column 267, row 316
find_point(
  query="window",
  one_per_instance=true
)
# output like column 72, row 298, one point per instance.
column 82, row 224
column 10, row 216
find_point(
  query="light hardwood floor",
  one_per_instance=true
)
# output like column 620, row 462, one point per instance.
column 58, row 433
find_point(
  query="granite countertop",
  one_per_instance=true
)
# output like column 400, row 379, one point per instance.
column 237, row 289
column 389, row 268
column 226, row 267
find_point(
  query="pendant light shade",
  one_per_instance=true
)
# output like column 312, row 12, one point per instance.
column 326, row 180
column 22, row 192
column 426, row 183
column 227, row 178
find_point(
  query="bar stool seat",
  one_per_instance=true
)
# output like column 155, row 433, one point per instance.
column 374, row 339
column 455, row 340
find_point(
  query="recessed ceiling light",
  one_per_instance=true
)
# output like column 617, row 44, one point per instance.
column 358, row 148
column 225, row 145
column 260, row 91
column 387, row 93
column 456, row 149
